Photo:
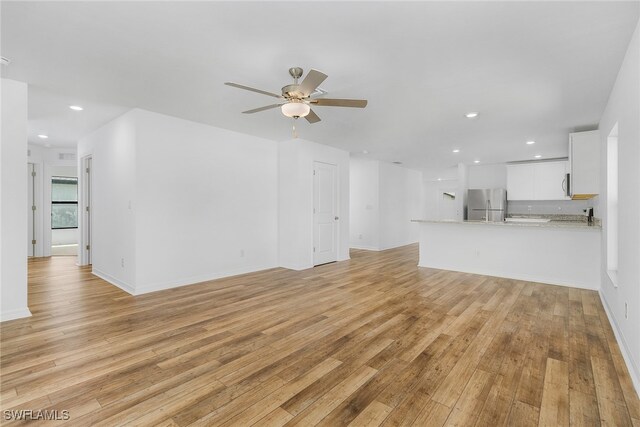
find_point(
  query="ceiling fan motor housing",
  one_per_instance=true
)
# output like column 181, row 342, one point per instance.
column 292, row 91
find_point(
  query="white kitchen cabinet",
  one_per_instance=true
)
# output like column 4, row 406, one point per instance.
column 537, row 181
column 584, row 164
column 520, row 182
column 550, row 181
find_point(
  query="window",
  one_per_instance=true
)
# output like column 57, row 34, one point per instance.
column 612, row 205
column 64, row 202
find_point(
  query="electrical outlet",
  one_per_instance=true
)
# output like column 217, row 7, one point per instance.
column 626, row 310
column 241, row 253
column 122, row 262
column 360, row 236
column 477, row 252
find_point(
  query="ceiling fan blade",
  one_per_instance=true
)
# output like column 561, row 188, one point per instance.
column 312, row 117
column 313, row 79
column 264, row 92
column 328, row 102
column 256, row 110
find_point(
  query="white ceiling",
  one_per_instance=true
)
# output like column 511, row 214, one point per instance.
column 534, row 70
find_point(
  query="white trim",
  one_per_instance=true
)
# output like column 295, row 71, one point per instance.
column 524, row 277
column 199, row 279
column 399, row 245
column 116, row 282
column 365, row 247
column 297, row 267
column 632, row 367
column 84, row 220
column 384, row 248
column 20, row 313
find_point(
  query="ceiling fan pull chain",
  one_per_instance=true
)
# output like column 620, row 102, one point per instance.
column 295, row 133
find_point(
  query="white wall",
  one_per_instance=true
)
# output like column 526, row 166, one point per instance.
column 400, row 202
column 487, row 176
column 206, row 202
column 623, row 108
column 64, row 236
column 13, row 200
column 433, row 185
column 113, row 148
column 178, row 202
column 364, row 209
column 295, row 200
column 384, row 199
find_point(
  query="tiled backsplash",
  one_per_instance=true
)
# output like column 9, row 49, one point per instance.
column 557, row 207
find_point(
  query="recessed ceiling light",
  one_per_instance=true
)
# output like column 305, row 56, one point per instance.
column 397, row 163
column 439, row 179
column 537, row 156
column 531, row 142
column 471, row 115
column 476, row 161
column 43, row 136
column 76, row 107
column 365, row 152
column 456, row 150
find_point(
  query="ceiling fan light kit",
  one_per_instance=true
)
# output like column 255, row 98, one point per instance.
column 295, row 109
column 296, row 98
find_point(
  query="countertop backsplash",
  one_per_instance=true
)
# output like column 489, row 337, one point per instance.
column 550, row 207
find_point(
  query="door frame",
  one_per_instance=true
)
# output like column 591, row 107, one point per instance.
column 38, row 199
column 336, row 185
column 85, row 224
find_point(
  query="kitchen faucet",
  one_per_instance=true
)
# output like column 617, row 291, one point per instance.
column 589, row 214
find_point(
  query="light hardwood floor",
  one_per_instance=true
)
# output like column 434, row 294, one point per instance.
column 371, row 341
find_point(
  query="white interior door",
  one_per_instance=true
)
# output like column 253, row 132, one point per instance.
column 325, row 213
column 31, row 209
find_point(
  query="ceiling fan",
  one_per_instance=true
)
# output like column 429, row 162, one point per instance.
column 296, row 99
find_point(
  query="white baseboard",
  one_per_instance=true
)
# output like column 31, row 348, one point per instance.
column 116, row 282
column 296, row 267
column 632, row 366
column 398, row 245
column 201, row 278
column 524, row 277
column 19, row 313
column 382, row 248
column 364, row 247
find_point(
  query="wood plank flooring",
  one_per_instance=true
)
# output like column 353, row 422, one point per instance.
column 370, row 341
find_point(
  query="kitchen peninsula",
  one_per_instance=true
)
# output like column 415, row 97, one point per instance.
column 554, row 252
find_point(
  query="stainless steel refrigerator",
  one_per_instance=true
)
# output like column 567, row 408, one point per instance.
column 487, row 205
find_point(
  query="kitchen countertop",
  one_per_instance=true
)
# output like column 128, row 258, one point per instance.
column 550, row 224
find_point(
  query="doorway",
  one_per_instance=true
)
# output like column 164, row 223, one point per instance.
column 64, row 214
column 325, row 213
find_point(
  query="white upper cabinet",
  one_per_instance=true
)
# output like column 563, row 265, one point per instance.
column 537, row 181
column 520, row 182
column 550, row 181
column 584, row 160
